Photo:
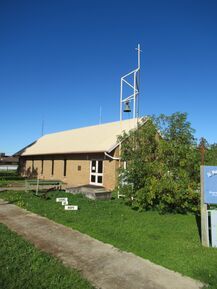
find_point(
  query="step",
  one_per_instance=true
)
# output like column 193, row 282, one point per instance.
column 91, row 192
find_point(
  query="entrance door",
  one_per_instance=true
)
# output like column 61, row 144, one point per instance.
column 96, row 172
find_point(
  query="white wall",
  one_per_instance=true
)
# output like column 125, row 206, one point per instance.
column 8, row 167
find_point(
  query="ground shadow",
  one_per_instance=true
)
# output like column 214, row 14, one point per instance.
column 9, row 202
column 198, row 222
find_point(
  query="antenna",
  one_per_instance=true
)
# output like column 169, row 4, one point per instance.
column 135, row 86
column 42, row 127
column 100, row 114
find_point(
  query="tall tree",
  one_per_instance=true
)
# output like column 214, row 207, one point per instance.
column 211, row 155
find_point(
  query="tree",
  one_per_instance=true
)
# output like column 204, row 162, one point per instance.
column 162, row 165
column 208, row 152
column 211, row 155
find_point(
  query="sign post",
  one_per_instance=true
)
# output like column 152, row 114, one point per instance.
column 208, row 196
column 203, row 209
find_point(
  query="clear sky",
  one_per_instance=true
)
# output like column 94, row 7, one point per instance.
column 61, row 60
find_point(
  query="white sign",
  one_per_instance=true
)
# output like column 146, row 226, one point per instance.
column 64, row 203
column 212, row 173
column 71, row 208
column 61, row 200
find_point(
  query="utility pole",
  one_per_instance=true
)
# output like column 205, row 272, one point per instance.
column 202, row 150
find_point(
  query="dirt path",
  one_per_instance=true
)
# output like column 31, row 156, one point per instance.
column 102, row 264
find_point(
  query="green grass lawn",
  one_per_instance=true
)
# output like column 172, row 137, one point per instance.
column 22, row 266
column 169, row 240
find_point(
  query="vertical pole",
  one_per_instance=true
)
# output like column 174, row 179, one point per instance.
column 42, row 127
column 204, row 214
column 26, row 189
column 121, row 92
column 134, row 95
column 138, row 81
column 119, row 166
column 202, row 150
column 138, row 56
column 37, row 186
column 100, row 114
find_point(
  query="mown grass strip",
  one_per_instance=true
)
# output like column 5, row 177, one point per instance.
column 22, row 266
column 169, row 240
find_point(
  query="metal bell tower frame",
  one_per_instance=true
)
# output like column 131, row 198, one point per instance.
column 134, row 85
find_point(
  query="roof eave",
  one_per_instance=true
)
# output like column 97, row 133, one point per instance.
column 142, row 121
column 64, row 153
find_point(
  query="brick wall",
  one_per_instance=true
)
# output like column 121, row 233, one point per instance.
column 77, row 170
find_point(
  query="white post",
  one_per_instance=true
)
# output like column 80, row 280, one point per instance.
column 138, row 81
column 100, row 114
column 37, row 186
column 121, row 92
column 204, row 214
column 26, row 186
column 134, row 95
column 139, row 56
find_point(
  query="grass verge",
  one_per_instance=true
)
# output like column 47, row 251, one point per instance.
column 23, row 266
column 169, row 240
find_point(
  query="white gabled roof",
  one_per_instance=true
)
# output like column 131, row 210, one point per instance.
column 91, row 139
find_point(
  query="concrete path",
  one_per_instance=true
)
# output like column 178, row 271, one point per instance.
column 102, row 264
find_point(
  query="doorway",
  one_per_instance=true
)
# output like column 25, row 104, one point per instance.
column 96, row 172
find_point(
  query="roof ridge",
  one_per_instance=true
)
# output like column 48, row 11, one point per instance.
column 93, row 126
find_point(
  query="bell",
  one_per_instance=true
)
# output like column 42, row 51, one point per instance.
column 127, row 107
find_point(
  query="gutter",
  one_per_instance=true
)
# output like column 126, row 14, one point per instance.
column 109, row 156
column 141, row 121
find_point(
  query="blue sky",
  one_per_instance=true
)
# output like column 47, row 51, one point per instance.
column 61, row 60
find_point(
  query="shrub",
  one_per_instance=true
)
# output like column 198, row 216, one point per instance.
column 162, row 170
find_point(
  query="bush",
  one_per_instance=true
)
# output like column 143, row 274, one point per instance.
column 8, row 173
column 11, row 178
column 162, row 172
